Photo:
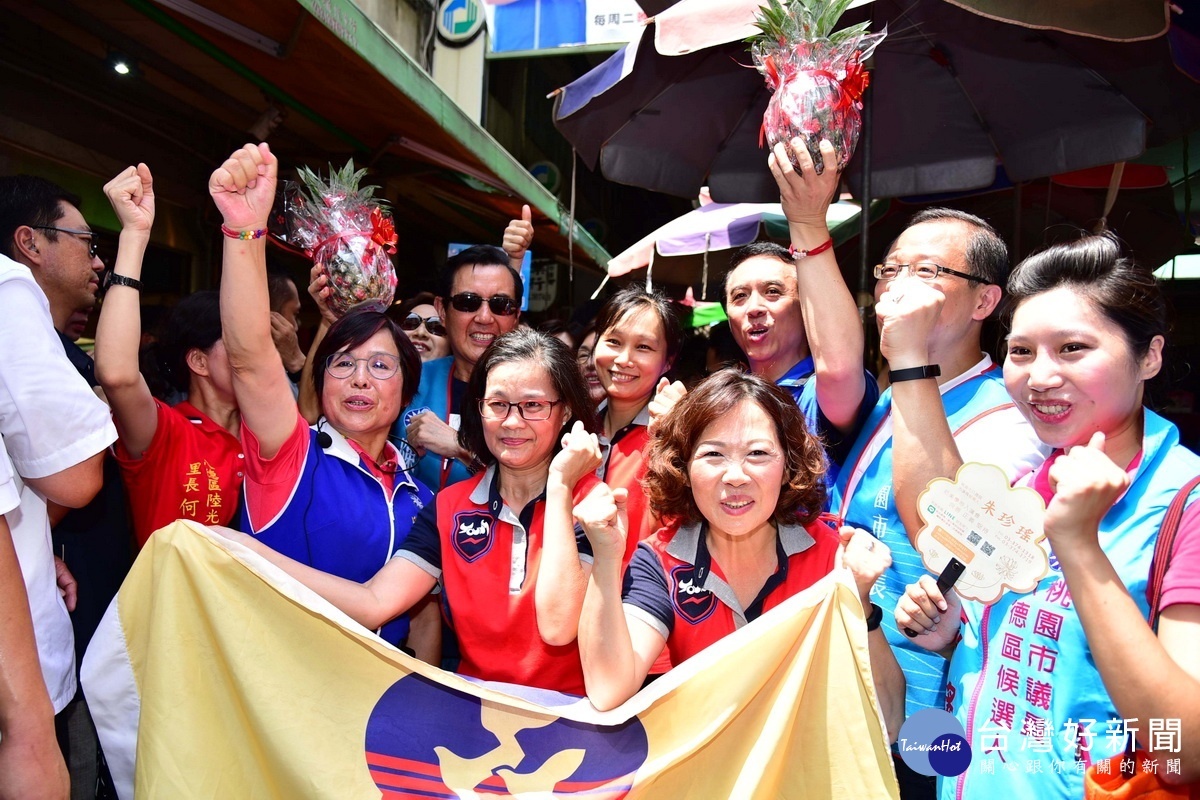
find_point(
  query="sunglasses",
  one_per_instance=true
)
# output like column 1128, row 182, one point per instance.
column 432, row 324
column 469, row 303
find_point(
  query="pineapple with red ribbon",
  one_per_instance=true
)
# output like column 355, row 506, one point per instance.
column 349, row 232
column 815, row 74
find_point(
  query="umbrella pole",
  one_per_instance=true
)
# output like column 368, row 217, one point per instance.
column 704, row 278
column 571, row 230
column 1016, row 237
column 865, row 293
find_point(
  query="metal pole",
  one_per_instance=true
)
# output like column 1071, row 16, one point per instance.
column 866, row 295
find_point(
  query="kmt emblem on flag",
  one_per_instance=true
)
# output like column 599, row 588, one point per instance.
column 216, row 675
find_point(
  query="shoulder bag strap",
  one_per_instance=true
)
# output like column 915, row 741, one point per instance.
column 1163, row 546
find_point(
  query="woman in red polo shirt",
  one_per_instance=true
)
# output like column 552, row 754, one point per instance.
column 735, row 467
column 182, row 461
column 638, row 337
column 502, row 543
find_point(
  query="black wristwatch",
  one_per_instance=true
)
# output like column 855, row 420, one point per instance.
column 914, row 373
column 113, row 279
column 874, row 618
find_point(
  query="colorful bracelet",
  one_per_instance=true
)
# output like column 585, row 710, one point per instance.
column 243, row 235
column 821, row 248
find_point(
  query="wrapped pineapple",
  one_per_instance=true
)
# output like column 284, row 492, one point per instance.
column 815, row 73
column 348, row 231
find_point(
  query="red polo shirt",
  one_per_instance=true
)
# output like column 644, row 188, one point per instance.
column 623, row 468
column 193, row 469
column 488, row 557
column 675, row 586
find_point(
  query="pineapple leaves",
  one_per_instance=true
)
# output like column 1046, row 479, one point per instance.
column 792, row 21
column 344, row 180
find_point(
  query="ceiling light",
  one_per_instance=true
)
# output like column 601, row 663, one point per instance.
column 120, row 63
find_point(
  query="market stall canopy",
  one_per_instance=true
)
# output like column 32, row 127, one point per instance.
column 694, row 249
column 954, row 93
column 210, row 71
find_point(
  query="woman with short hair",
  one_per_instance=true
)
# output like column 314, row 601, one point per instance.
column 735, row 468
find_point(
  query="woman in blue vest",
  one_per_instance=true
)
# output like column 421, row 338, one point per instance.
column 1064, row 675
column 337, row 496
column 502, row 543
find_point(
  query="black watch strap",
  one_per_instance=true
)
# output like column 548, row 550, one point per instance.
column 914, row 373
column 113, row 279
column 874, row 618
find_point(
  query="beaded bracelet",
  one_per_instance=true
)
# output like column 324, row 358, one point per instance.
column 821, row 248
column 244, row 235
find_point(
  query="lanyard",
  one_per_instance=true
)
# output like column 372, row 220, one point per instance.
column 447, row 463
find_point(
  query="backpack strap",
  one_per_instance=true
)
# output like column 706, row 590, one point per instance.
column 1163, row 546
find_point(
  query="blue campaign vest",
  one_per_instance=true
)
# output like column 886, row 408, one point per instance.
column 1031, row 651
column 433, row 393
column 873, row 508
column 339, row 520
column 801, row 383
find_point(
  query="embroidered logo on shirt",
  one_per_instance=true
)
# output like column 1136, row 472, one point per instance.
column 691, row 600
column 472, row 535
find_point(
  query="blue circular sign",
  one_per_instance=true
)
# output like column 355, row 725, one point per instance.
column 933, row 742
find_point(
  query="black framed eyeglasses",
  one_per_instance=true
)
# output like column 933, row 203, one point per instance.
column 432, row 324
column 381, row 366
column 93, row 240
column 529, row 410
column 925, row 270
column 469, row 303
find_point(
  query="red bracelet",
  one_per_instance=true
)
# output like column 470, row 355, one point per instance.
column 244, row 235
column 821, row 248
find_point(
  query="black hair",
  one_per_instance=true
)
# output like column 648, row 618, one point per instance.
column 358, row 326
column 33, row 201
column 986, row 254
column 279, row 288
column 194, row 324
column 480, row 255
column 756, row 249
column 556, row 327
column 635, row 298
column 1092, row 266
column 525, row 345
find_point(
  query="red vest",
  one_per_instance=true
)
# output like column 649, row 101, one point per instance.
column 625, row 468
column 497, row 626
column 701, row 599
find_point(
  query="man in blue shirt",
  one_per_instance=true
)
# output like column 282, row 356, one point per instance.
column 792, row 314
column 480, row 301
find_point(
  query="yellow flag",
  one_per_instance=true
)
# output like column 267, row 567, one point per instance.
column 216, row 675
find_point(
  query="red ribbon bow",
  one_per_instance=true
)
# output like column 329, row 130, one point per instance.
column 856, row 81
column 383, row 231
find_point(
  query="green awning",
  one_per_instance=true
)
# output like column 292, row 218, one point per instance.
column 349, row 89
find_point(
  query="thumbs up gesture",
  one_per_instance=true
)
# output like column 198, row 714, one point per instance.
column 1086, row 483
column 518, row 236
